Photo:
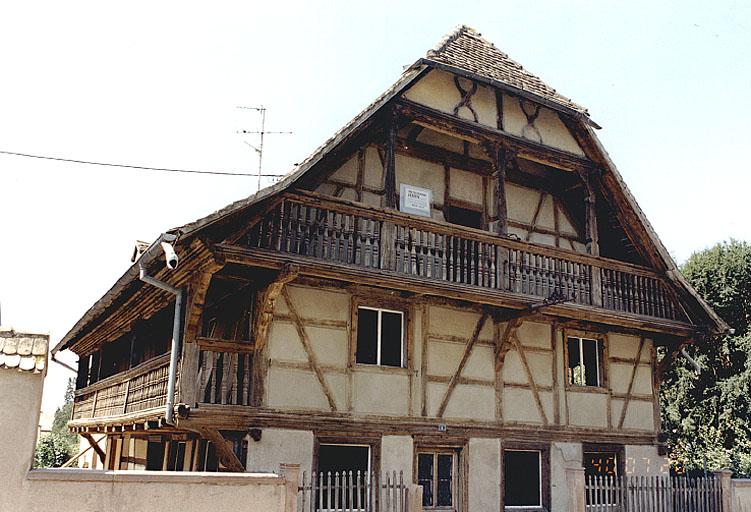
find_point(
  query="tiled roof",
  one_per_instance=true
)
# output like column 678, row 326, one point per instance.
column 26, row 352
column 465, row 48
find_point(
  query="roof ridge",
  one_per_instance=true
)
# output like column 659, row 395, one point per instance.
column 450, row 37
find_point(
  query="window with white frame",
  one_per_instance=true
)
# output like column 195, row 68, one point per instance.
column 380, row 337
column 522, row 484
column 584, row 361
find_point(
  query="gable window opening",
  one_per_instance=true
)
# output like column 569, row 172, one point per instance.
column 522, row 471
column 585, row 362
column 338, row 485
column 437, row 473
column 380, row 337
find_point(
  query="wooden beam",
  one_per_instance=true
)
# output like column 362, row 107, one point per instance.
column 390, row 164
column 312, row 359
column 94, row 445
column 499, row 169
column 188, row 392
column 629, row 393
column 502, row 342
column 265, row 305
column 590, row 226
column 226, row 456
column 458, row 373
column 440, row 155
column 475, row 132
column 493, row 297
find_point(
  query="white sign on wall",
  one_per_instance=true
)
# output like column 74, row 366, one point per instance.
column 415, row 200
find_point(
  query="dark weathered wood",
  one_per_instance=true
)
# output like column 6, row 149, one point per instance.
column 590, row 226
column 265, row 304
column 226, row 456
column 458, row 373
column 390, row 164
column 474, row 132
column 501, row 208
column 187, row 391
column 94, row 445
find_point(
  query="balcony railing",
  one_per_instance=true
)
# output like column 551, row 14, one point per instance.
column 311, row 225
column 138, row 389
column 224, row 372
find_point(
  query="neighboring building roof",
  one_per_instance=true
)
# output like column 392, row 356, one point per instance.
column 465, row 52
column 466, row 49
column 23, row 351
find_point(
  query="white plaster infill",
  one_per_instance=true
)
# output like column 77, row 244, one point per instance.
column 133, row 476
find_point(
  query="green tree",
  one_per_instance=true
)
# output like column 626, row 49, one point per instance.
column 55, row 448
column 708, row 417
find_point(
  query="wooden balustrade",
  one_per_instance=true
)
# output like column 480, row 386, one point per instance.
column 308, row 224
column 138, row 389
column 224, row 372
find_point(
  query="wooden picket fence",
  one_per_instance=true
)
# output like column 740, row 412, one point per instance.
column 352, row 491
column 653, row 494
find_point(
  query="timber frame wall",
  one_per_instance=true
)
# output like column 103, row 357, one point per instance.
column 377, row 254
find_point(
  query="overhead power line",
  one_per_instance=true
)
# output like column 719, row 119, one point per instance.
column 138, row 167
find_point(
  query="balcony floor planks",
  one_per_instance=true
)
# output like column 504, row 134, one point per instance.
column 493, row 297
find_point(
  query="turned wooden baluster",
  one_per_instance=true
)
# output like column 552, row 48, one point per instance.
column 368, row 247
column 450, row 258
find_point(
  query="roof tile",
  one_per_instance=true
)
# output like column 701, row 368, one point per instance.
column 40, row 347
column 24, row 346
column 11, row 346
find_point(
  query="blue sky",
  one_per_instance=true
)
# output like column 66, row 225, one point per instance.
column 157, row 84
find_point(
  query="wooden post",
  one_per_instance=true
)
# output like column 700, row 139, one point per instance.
column 590, row 226
column 291, row 474
column 499, row 166
column 414, row 498
column 726, row 487
column 390, row 163
column 575, row 484
column 388, row 246
column 188, row 389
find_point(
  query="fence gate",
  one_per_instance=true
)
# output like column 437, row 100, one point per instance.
column 352, row 491
column 653, row 494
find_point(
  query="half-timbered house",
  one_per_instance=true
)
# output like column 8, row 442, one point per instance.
column 457, row 285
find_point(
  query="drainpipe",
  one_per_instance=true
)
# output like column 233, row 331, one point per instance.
column 171, row 258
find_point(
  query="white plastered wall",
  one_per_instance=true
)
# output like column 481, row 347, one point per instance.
column 397, row 454
column 484, row 478
column 280, row 446
column 562, row 456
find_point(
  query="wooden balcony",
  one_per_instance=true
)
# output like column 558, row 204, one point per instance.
column 351, row 237
column 128, row 393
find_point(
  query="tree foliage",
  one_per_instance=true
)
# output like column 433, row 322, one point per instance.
column 55, row 448
column 708, row 417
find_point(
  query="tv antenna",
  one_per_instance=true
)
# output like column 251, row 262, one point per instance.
column 261, row 134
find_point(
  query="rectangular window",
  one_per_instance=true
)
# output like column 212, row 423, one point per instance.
column 335, row 464
column 380, row 337
column 464, row 217
column 522, row 471
column 584, row 361
column 436, row 472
